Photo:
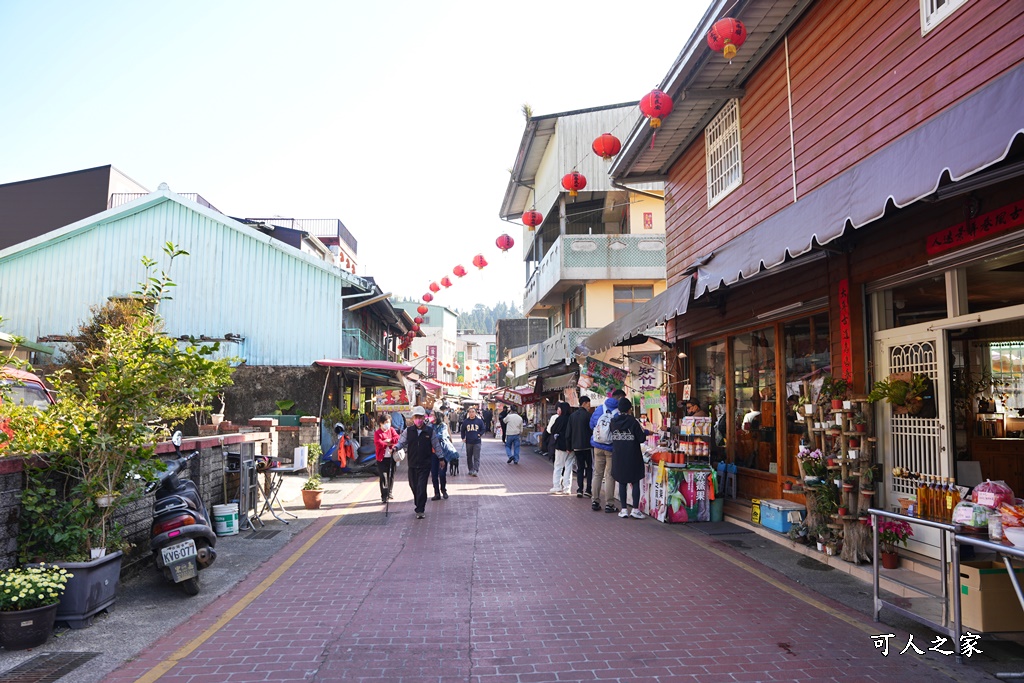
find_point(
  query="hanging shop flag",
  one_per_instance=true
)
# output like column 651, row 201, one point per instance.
column 601, row 377
column 845, row 332
column 431, row 361
column 391, row 400
column 646, row 371
column 460, row 373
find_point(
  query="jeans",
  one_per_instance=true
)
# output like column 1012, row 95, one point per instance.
column 561, row 479
column 386, row 475
column 584, row 470
column 439, row 473
column 604, row 485
column 512, row 447
column 473, row 457
column 418, row 477
column 636, row 493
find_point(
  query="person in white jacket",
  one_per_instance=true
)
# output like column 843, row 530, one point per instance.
column 513, row 434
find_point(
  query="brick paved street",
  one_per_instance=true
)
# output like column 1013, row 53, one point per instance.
column 506, row 583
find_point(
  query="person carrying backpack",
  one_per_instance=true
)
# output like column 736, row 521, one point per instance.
column 601, row 442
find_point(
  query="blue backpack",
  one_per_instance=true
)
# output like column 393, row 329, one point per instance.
column 448, row 450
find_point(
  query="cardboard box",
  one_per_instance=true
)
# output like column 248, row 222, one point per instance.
column 779, row 515
column 988, row 602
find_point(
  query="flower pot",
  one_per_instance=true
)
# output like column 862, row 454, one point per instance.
column 216, row 418
column 207, row 430
column 92, row 589
column 787, row 486
column 890, row 560
column 817, row 425
column 854, row 442
column 847, row 488
column 830, row 550
column 837, row 482
column 22, row 629
column 312, row 498
column 837, row 404
column 821, row 547
column 106, row 500
column 809, row 408
column 847, row 405
column 853, row 454
column 867, row 493
column 843, row 512
column 860, row 429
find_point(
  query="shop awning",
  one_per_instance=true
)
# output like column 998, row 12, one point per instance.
column 430, row 386
column 556, row 377
column 905, row 171
column 517, row 397
column 359, row 364
column 670, row 303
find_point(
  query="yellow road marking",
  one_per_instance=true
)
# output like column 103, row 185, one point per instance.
column 166, row 665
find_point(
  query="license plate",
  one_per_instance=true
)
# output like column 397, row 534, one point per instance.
column 179, row 551
column 183, row 570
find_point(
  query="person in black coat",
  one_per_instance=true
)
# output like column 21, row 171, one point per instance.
column 420, row 443
column 561, row 480
column 501, row 420
column 627, row 458
column 577, row 437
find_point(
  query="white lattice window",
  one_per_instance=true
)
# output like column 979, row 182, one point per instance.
column 724, row 160
column 934, row 11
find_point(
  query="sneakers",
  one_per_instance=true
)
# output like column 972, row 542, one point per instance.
column 636, row 514
column 567, row 492
column 579, row 495
column 623, row 512
column 509, row 461
column 445, row 495
column 435, row 497
column 419, row 515
column 595, row 506
column 609, row 508
column 554, row 490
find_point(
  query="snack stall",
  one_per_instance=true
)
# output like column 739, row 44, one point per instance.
column 680, row 485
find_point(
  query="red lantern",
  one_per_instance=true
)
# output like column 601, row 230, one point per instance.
column 505, row 242
column 479, row 261
column 434, row 287
column 418, row 320
column 574, row 181
column 532, row 219
column 656, row 105
column 726, row 36
column 415, row 327
column 422, row 309
column 428, row 297
column 446, row 282
column 606, row 146
column 459, row 271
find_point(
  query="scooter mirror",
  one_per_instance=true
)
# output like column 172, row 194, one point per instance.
column 176, row 439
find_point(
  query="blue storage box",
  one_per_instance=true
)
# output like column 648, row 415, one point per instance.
column 779, row 515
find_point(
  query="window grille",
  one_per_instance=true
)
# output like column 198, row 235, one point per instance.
column 722, row 149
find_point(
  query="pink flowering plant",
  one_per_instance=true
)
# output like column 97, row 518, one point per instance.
column 893, row 532
column 812, row 463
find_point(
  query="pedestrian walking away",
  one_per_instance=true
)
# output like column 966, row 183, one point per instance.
column 488, row 417
column 512, row 429
column 438, row 463
column 420, row 443
column 501, row 421
column 577, row 436
column 472, row 433
column 561, row 477
column 601, row 442
column 627, row 458
column 385, row 438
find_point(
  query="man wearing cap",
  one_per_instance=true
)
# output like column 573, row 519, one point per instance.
column 513, row 429
column 473, row 429
column 420, row 443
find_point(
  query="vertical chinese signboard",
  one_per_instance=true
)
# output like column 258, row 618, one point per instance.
column 492, row 358
column 431, row 361
column 460, row 359
column 845, row 333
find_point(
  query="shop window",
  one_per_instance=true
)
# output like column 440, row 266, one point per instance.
column 576, row 309
column 708, row 389
column 996, row 282
column 805, row 349
column 722, row 153
column 628, row 297
column 919, row 301
column 755, row 399
column 934, row 11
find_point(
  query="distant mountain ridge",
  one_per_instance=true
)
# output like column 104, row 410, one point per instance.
column 482, row 318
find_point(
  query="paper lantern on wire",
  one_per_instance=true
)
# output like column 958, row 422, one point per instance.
column 532, row 218
column 415, row 327
column 606, row 146
column 504, row 242
column 459, row 271
column 418, row 320
column 422, row 309
column 656, row 105
column 428, row 297
column 479, row 261
column 446, row 282
column 727, row 36
column 434, row 287
column 574, row 181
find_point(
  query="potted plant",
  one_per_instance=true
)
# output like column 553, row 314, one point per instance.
column 787, row 485
column 313, row 454
column 867, row 483
column 813, row 466
column 843, row 511
column 28, row 604
column 805, row 403
column 904, row 392
column 313, row 492
column 891, row 533
column 823, row 536
column 217, row 418
column 860, row 423
column 127, row 386
column 834, row 391
column 849, row 483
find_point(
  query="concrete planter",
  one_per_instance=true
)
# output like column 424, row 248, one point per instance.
column 92, row 589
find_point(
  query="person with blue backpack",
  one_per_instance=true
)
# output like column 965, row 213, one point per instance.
column 601, row 442
column 439, row 461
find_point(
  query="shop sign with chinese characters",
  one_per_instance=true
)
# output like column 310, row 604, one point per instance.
column 940, row 644
column 391, row 399
column 978, row 228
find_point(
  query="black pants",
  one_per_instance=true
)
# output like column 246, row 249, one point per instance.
column 584, row 470
column 386, row 475
column 503, row 432
column 439, row 474
column 636, row 493
column 418, row 477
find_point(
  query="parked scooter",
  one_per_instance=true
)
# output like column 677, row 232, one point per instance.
column 182, row 536
column 358, row 459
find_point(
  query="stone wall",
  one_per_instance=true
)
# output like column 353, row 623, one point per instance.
column 256, row 390
column 10, row 509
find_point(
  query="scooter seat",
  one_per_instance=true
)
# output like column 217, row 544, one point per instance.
column 171, row 504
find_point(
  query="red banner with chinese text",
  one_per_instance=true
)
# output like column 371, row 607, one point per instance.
column 845, row 330
column 988, row 224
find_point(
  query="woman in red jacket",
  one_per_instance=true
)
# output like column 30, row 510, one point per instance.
column 384, row 440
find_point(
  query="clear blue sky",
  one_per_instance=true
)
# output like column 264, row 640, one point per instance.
column 400, row 118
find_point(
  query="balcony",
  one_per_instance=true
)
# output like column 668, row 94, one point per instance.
column 355, row 344
column 558, row 348
column 577, row 259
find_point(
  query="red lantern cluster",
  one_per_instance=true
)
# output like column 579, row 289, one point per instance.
column 479, row 261
column 418, row 320
column 656, row 105
column 504, row 243
column 574, row 181
column 532, row 219
column 606, row 146
column 727, row 36
column 459, row 271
